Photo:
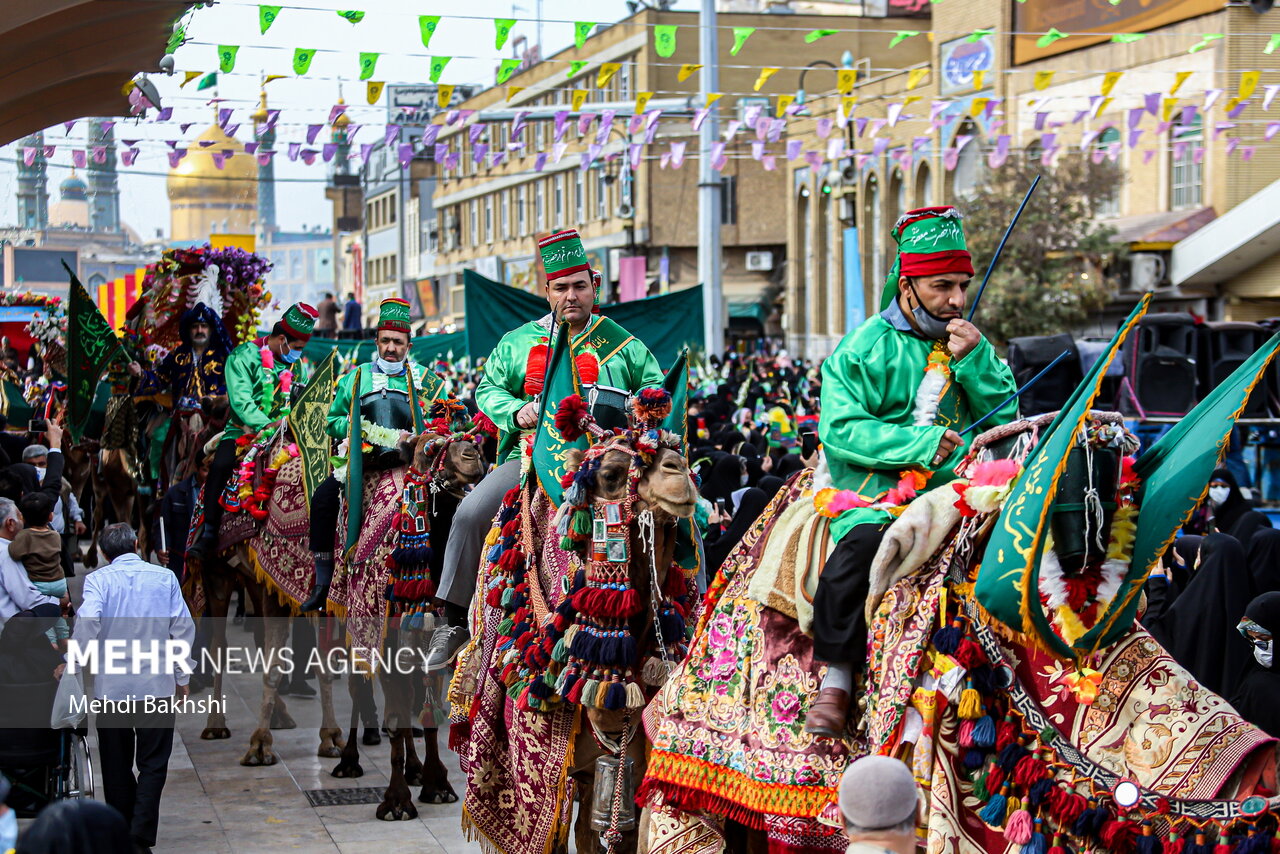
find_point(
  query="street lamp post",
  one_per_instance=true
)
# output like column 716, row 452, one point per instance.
column 709, row 250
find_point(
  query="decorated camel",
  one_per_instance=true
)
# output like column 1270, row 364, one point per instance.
column 1004, row 662
column 581, row 614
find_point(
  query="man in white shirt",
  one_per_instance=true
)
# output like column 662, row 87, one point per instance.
column 17, row 593
column 135, row 602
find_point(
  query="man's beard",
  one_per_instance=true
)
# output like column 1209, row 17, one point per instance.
column 199, row 340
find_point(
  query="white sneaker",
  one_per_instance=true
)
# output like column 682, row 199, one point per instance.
column 445, row 643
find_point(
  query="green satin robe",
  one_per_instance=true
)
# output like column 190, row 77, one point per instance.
column 247, row 383
column 867, row 425
column 501, row 394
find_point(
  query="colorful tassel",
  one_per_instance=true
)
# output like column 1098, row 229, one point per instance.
column 1174, row 844
column 947, row 640
column 1018, row 827
column 984, row 732
column 993, row 813
column 1037, row 844
column 970, row 703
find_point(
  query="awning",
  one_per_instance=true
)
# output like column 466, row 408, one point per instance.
column 742, row 310
column 1154, row 232
column 1238, row 240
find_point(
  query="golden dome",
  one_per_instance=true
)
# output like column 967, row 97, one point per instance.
column 197, row 176
column 343, row 120
column 262, row 114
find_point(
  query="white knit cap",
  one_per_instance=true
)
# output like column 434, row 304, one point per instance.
column 877, row 792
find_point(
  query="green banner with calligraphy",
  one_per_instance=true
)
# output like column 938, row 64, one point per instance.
column 549, row 446
column 308, row 421
column 90, row 346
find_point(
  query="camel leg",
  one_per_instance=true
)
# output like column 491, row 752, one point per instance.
column 331, row 742
column 349, row 763
column 397, row 803
column 217, row 588
column 275, row 637
column 585, row 752
column 435, row 777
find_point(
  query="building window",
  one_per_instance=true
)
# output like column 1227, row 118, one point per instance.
column 539, row 207
column 624, row 82
column 521, row 230
column 729, row 200
column 488, row 219
column 473, row 235
column 898, row 192
column 873, row 235
column 602, row 196
column 968, row 172
column 559, row 203
column 579, row 197
column 433, row 236
column 924, row 192
column 1186, row 174
column 1110, row 206
column 505, row 215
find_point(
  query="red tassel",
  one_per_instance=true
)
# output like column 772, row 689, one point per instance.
column 572, row 416
column 588, row 367
column 1006, row 734
column 484, row 424
column 1174, row 844
column 1029, row 770
column 1066, row 806
column 535, row 369
column 995, row 777
column 969, row 654
column 1120, row 836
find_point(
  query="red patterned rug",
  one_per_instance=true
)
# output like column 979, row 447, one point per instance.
column 359, row 583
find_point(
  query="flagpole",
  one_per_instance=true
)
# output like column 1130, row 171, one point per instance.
column 996, row 257
column 1029, row 384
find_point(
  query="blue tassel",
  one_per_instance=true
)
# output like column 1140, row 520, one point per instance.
column 1040, row 790
column 616, row 696
column 974, row 759
column 1038, row 845
column 495, row 552
column 947, row 640
column 993, row 812
column 984, row 732
column 1011, row 756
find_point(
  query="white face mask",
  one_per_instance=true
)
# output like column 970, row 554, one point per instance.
column 743, row 480
column 1265, row 654
column 1218, row 495
column 391, row 368
column 40, row 470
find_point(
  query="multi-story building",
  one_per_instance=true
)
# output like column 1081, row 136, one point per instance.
column 1198, row 207
column 528, row 161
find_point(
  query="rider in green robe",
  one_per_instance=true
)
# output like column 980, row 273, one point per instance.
column 257, row 398
column 895, row 394
column 508, row 395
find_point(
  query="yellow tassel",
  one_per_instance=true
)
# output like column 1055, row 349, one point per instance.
column 492, row 539
column 1013, row 806
column 569, row 634
column 970, row 705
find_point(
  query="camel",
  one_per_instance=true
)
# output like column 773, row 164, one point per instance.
column 644, row 472
column 452, row 463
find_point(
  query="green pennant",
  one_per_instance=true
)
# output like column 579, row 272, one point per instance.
column 677, row 382
column 1050, row 37
column 506, row 69
column 1175, row 474
column 267, row 16
column 227, row 57
column 575, row 66
column 355, row 469
column 437, row 67
column 1204, row 42
column 740, row 36
column 813, row 35
column 308, row 421
column 208, row 81
column 352, row 15
column 368, row 63
column 549, row 446
column 302, row 57
column 902, row 35
column 1272, row 44
column 1126, row 38
column 581, row 30
column 502, row 31
column 1010, row 570
column 90, row 346
column 427, row 24
column 664, row 40
column 978, row 35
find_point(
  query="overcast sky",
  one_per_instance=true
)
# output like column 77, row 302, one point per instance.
column 390, row 27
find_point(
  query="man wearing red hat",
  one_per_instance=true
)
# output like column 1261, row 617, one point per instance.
column 895, row 394
column 375, row 403
column 608, row 358
column 257, row 399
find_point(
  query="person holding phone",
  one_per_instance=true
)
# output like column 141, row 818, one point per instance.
column 895, row 394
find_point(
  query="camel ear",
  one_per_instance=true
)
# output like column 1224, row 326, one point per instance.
column 409, row 450
column 573, row 458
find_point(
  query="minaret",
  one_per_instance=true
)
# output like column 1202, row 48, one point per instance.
column 33, row 185
column 341, row 157
column 266, row 135
column 104, row 185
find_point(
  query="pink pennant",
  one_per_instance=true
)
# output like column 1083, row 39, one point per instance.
column 634, row 152
column 584, row 123
column 1197, row 156
column 699, row 116
column 1147, row 154
column 936, row 109
column 78, row 158
column 861, row 160
column 1163, row 128
column 264, row 158
column 776, row 126
column 950, row 157
column 1000, row 153
column 769, row 162
column 592, row 152
column 29, row 155
column 877, row 125
column 129, row 156
column 1087, row 138
column 634, row 124
column 794, row 147
column 752, row 114
column 731, row 130
column 824, row 127
column 651, row 126
column 677, row 154
column 1046, row 159
column 308, row 156
column 879, row 146
column 814, row 159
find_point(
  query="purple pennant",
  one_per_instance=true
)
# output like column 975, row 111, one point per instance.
column 731, row 130
column 1135, row 117
column 718, row 158
column 1095, row 104
column 429, row 134
column 130, row 143
column 1000, row 154
column 602, row 134
column 463, row 115
column 250, row 147
column 295, row 148
column 877, row 125
column 108, row 125
column 78, row 158
column 560, row 122
column 29, row 155
column 129, row 157
column 1211, row 97
column 165, row 114
column 1147, row 154
column 1272, row 129
column 699, row 116
column 793, row 148
column 607, row 117
column 335, row 111
column 404, row 153
column 451, row 118
column 69, row 125
column 175, row 157
column 328, row 150
column 879, row 146
column 540, row 162
column 185, row 126
column 1188, row 115
column 1046, row 159
column 1180, row 149
column 905, row 158
column 677, row 154
column 1080, row 114
column 1232, row 144
column 950, row 157
column 557, row 151
column 312, row 132
column 1197, row 156
column 761, row 126
column 496, row 160
column 751, row 114
column 231, row 131
column 635, row 123
column 1163, row 127
column 224, row 116
column 1040, row 120
column 391, row 135
column 366, row 149
column 1222, row 126
column 205, row 143
column 936, row 108
column 517, row 126
column 172, row 143
column 593, row 151
column 895, row 113
column 835, row 148
column 824, row 127
column 664, row 161
column 99, row 154
column 451, row 162
column 1087, row 138
column 272, row 117
column 962, row 140
column 860, row 124
column 264, row 158
column 308, row 156
column 1097, row 155
column 475, row 131
column 757, row 150
column 439, row 152
column 584, row 122
column 1151, row 101
column 990, row 109
column 769, row 162
column 651, row 131
column 219, row 158
column 1047, row 140
column 352, row 130
column 1246, row 153
column 861, row 160
column 1134, row 136
column 776, row 127
column 634, row 153
column 919, row 142
column 479, row 151
column 1235, row 111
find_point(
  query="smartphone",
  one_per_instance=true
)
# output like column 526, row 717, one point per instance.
column 808, row 443
column 37, row 425
column 721, row 507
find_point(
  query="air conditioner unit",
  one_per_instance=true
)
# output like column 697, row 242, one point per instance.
column 1146, row 272
column 625, row 211
column 759, row 262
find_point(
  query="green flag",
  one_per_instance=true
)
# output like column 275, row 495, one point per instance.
column 227, row 57
column 740, row 36
column 813, row 35
column 664, row 40
column 437, row 67
column 1008, row 580
column 352, row 15
column 506, row 69
column 208, row 81
column 581, row 29
column 302, row 57
column 677, row 382
column 368, row 62
column 502, row 31
column 427, row 24
column 576, row 65
column 90, row 346
column 355, row 469
column 309, row 420
column 267, row 16
column 549, row 446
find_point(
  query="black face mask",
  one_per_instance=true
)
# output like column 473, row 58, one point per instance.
column 929, row 324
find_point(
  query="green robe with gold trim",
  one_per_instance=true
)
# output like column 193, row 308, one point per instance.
column 625, row 363
column 253, row 391
column 867, row 424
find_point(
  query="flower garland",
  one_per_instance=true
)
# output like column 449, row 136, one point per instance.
column 937, row 373
column 273, row 394
column 831, row 502
column 241, row 493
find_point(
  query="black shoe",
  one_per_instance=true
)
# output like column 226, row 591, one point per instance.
column 371, row 736
column 316, row 601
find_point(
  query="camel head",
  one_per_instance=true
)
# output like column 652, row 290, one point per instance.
column 450, row 453
column 663, row 486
